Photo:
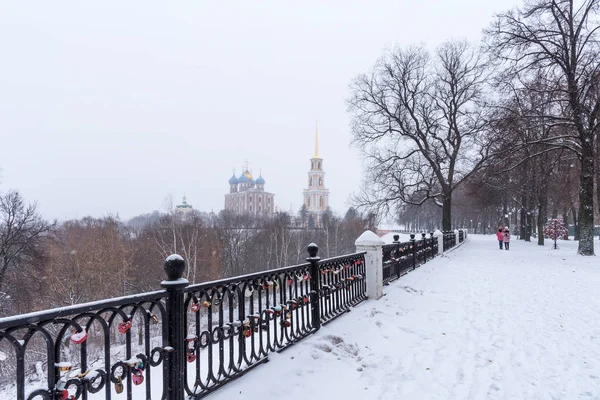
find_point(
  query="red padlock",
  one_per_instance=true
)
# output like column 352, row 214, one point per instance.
column 191, row 357
column 290, row 282
column 125, row 326
column 247, row 331
column 138, row 377
column 79, row 337
column 195, row 306
column 306, row 300
column 63, row 394
column 286, row 323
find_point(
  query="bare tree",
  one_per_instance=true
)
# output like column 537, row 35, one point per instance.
column 559, row 39
column 21, row 227
column 419, row 123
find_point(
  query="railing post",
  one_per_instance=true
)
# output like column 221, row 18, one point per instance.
column 414, row 250
column 424, row 248
column 396, row 263
column 175, row 312
column 372, row 244
column 432, row 245
column 315, row 287
column 440, row 238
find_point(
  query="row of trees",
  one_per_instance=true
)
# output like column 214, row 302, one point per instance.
column 514, row 122
column 49, row 264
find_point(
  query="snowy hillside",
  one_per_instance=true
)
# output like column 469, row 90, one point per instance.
column 479, row 323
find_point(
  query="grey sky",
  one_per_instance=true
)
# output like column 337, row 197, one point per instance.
column 109, row 106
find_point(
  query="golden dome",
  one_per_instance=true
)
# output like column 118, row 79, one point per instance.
column 248, row 175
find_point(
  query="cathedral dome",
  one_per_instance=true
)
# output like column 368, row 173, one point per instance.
column 260, row 181
column 233, row 180
column 243, row 179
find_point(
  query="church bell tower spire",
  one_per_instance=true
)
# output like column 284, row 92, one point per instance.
column 317, row 141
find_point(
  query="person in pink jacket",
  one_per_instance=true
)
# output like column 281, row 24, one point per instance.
column 500, row 236
column 506, row 239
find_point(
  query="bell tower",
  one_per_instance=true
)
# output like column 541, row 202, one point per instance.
column 316, row 197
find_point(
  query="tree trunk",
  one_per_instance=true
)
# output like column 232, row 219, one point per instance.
column 446, row 212
column 542, row 217
column 523, row 227
column 575, row 224
column 586, row 200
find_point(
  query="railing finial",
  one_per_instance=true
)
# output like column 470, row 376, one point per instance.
column 174, row 266
column 313, row 249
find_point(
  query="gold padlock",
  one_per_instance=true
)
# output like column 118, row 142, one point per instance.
column 119, row 386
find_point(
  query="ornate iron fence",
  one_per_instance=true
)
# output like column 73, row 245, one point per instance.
column 449, row 240
column 191, row 340
column 88, row 348
column 401, row 257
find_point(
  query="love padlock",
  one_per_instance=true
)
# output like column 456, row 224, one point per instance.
column 62, row 394
column 195, row 306
column 190, row 356
column 286, row 323
column 138, row 377
column 79, row 337
column 290, row 281
column 119, row 386
column 247, row 331
column 305, row 300
column 125, row 326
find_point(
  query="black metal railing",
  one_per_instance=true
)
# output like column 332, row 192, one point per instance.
column 113, row 345
column 449, row 240
column 401, row 257
column 461, row 236
column 343, row 285
column 188, row 340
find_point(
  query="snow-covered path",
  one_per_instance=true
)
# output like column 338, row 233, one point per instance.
column 477, row 323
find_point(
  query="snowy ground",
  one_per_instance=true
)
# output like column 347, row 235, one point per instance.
column 477, row 323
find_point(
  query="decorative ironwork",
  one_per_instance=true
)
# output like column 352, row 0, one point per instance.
column 233, row 324
column 401, row 257
column 397, row 260
column 449, row 240
column 342, row 285
column 188, row 340
column 112, row 346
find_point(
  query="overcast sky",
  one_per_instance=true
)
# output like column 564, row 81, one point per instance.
column 108, row 107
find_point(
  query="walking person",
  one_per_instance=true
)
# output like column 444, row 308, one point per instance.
column 500, row 236
column 506, row 239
